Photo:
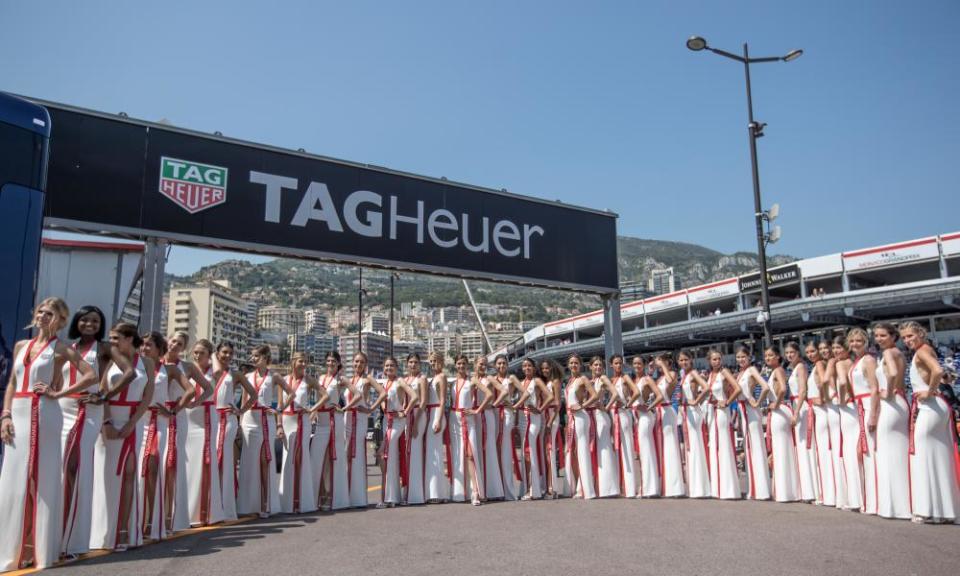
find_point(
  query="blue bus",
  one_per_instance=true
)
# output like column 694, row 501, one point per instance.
column 24, row 152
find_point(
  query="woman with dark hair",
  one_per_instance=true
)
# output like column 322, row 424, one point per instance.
column 606, row 466
column 397, row 403
column 533, row 401
column 693, row 420
column 935, row 496
column 797, row 390
column 416, row 431
column 328, row 448
column 82, row 409
column 151, row 498
column 783, row 452
column 893, row 427
column 832, row 395
column 624, row 438
column 754, row 445
column 357, row 409
column 818, row 426
column 508, row 390
column 438, row 464
column 849, row 425
column 671, row 466
column 866, row 402
column 297, row 493
column 31, row 523
column 259, row 482
column 579, row 395
column 723, row 389
column 116, row 522
column 552, row 375
column 646, row 430
column 224, row 396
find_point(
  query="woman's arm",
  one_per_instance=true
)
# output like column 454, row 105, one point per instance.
column 702, row 389
column 870, row 371
column 381, row 394
column 634, row 391
column 484, row 386
column 206, row 389
column 87, row 375
column 611, row 390
column 410, row 395
column 124, row 364
column 6, row 417
column 131, row 425
column 733, row 386
column 929, row 361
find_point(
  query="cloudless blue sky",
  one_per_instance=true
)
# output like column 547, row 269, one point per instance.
column 596, row 103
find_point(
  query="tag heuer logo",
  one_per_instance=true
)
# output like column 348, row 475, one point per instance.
column 192, row 185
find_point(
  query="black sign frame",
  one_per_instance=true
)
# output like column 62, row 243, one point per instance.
column 776, row 277
column 105, row 173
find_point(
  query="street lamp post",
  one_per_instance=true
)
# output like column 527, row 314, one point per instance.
column 393, row 276
column 755, row 130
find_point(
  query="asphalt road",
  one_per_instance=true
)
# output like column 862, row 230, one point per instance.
column 599, row 537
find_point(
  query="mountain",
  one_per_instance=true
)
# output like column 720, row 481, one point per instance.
column 303, row 283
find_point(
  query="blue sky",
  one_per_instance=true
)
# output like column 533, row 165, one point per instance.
column 596, row 103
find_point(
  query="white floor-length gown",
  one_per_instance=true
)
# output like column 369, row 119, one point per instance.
column 328, row 448
column 355, row 428
column 580, row 430
column 803, row 438
column 153, row 447
column 671, row 467
column 866, row 467
column 258, row 428
column 490, row 428
column 535, row 468
column 646, row 429
column 754, row 443
column 203, row 476
column 81, row 427
column 821, row 442
column 893, row 450
column 607, row 467
column 37, row 422
column 224, row 396
column 297, row 494
column 465, row 441
column 416, row 433
column 117, row 454
column 724, row 481
column 175, row 460
column 933, row 460
column 694, row 421
column 394, row 445
column 625, row 441
column 437, row 459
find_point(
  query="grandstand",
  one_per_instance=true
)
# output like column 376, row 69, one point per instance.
column 917, row 279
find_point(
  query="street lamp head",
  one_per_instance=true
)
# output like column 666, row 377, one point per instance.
column 696, row 43
column 790, row 57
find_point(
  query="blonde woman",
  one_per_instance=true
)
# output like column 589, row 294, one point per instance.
column 818, row 426
column 357, row 409
column 438, row 464
column 203, row 477
column 30, row 427
column 259, row 482
column 866, row 399
column 416, row 431
column 297, row 494
column 893, row 427
column 933, row 452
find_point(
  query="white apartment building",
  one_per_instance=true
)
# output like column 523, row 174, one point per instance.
column 210, row 311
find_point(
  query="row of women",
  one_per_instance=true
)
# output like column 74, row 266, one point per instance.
column 109, row 443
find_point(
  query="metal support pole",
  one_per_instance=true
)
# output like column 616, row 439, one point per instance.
column 476, row 312
column 392, row 277
column 612, row 326
column 757, row 206
column 151, row 290
column 360, row 312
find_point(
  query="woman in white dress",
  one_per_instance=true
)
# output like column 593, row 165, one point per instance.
column 893, row 427
column 437, row 461
column 328, row 447
column 751, row 420
column 552, row 375
column 694, row 420
column 466, row 435
column 802, row 428
column 116, row 517
column 624, row 437
column 780, row 439
column 297, row 494
column 606, row 468
column 508, row 390
column 416, row 431
column 489, row 428
column 646, row 430
column 724, row 481
column 398, row 401
column 934, row 466
column 226, row 381
column 153, row 450
column 357, row 410
column 82, row 409
column 204, row 502
column 832, row 396
column 533, row 401
column 818, row 426
column 866, row 400
column 671, row 466
column 30, row 427
column 581, row 433
column 849, row 425
column 259, row 482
